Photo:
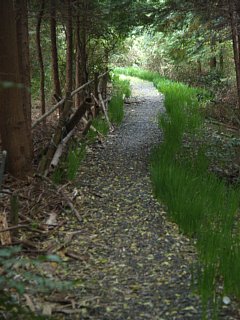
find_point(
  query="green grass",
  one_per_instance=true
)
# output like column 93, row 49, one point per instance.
column 121, row 89
column 74, row 158
column 101, row 125
column 115, row 109
column 201, row 204
column 68, row 168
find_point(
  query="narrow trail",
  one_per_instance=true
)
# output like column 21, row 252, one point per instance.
column 135, row 263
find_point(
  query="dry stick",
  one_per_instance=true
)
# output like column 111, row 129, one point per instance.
column 64, row 196
column 81, row 88
column 76, row 117
column 104, row 74
column 87, row 127
column 20, row 226
column 60, row 149
column 68, row 239
column 103, row 105
column 85, row 121
column 57, row 136
column 61, row 102
column 95, row 99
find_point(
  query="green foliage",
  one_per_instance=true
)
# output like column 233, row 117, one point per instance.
column 121, row 89
column 138, row 72
column 68, row 168
column 19, row 274
column 74, row 158
column 16, row 272
column 202, row 205
column 115, row 109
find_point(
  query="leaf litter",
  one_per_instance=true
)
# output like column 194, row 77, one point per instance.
column 126, row 258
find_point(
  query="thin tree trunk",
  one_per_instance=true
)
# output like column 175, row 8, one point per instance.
column 221, row 61
column 69, row 62
column 40, row 55
column 78, row 83
column 23, row 55
column 83, row 42
column 54, row 51
column 236, row 42
column 15, row 133
column 213, row 59
column 199, row 67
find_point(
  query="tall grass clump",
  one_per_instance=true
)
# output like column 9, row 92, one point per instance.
column 68, row 168
column 203, row 206
column 121, row 89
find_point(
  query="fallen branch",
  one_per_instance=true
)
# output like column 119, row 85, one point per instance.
column 73, row 255
column 59, row 104
column 92, row 127
column 64, row 196
column 45, row 162
column 77, row 116
column 81, row 88
column 103, row 106
column 60, row 149
column 67, row 240
column 20, row 226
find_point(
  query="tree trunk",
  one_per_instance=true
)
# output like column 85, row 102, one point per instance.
column 54, row 51
column 199, row 67
column 23, row 55
column 81, row 52
column 236, row 42
column 15, row 133
column 213, row 59
column 69, row 62
column 221, row 61
column 40, row 55
column 79, row 96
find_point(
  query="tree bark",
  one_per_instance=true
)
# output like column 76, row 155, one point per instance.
column 221, row 61
column 79, row 96
column 81, row 51
column 213, row 59
column 15, row 133
column 234, row 18
column 40, row 55
column 69, row 62
column 23, row 55
column 199, row 66
column 54, row 50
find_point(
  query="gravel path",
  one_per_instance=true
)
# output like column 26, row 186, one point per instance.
column 135, row 264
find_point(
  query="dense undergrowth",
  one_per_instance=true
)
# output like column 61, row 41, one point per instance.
column 203, row 206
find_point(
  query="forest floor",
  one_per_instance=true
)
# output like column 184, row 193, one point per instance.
column 130, row 261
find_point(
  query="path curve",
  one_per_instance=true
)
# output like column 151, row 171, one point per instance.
column 135, row 264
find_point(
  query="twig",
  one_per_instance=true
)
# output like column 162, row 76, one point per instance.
column 61, row 102
column 20, row 226
column 45, row 115
column 73, row 255
column 64, row 196
column 103, row 106
column 81, row 88
column 60, row 149
column 68, row 239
